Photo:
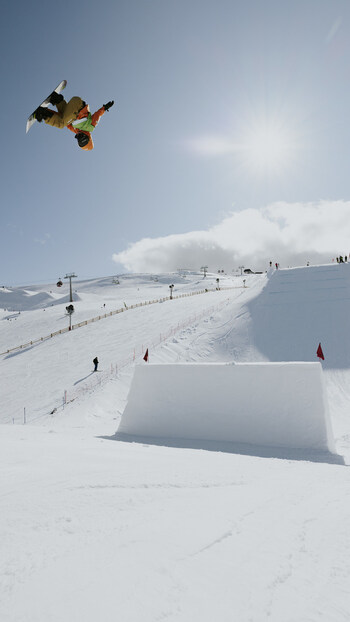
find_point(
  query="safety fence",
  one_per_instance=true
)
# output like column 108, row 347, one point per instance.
column 105, row 315
column 113, row 370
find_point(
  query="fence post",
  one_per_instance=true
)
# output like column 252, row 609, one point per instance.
column 24, row 416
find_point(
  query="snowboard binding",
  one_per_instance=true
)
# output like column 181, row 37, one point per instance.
column 42, row 113
column 55, row 98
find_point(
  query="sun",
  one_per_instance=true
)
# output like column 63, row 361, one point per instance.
column 268, row 148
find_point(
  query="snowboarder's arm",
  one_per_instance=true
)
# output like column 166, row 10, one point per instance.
column 71, row 128
column 97, row 116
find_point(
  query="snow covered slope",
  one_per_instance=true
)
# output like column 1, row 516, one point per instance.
column 98, row 529
column 300, row 308
column 37, row 377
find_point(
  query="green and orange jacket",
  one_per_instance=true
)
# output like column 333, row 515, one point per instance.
column 87, row 124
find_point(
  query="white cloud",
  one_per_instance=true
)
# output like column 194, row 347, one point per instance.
column 46, row 238
column 289, row 233
column 261, row 146
column 212, row 146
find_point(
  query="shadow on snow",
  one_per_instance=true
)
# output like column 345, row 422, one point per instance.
column 281, row 453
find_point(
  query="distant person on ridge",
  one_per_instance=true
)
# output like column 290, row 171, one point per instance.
column 95, row 362
column 75, row 115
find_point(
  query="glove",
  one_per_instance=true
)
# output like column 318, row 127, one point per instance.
column 108, row 105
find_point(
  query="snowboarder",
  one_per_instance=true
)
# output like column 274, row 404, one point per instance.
column 95, row 362
column 75, row 115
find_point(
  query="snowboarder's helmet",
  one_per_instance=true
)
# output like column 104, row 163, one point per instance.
column 82, row 139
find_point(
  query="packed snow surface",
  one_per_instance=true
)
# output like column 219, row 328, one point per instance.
column 98, row 528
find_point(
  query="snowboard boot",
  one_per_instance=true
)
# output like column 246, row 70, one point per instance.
column 42, row 114
column 55, row 98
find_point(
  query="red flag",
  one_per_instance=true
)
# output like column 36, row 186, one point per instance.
column 319, row 352
column 145, row 358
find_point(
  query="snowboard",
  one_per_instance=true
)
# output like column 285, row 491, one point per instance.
column 31, row 120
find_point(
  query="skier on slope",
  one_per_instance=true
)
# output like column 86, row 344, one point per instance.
column 75, row 115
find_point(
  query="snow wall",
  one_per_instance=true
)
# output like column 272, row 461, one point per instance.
column 268, row 404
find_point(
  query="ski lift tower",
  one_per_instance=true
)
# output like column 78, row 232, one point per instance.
column 70, row 277
column 204, row 269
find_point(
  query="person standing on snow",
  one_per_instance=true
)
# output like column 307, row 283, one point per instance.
column 95, row 362
column 75, row 115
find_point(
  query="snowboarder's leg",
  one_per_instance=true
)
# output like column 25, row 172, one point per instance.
column 67, row 112
column 57, row 118
column 72, row 109
column 51, row 117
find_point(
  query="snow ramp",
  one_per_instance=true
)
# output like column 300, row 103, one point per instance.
column 298, row 309
column 260, row 404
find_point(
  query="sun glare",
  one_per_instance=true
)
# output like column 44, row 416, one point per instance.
column 267, row 149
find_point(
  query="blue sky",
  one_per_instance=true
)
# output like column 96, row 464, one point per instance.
column 194, row 81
